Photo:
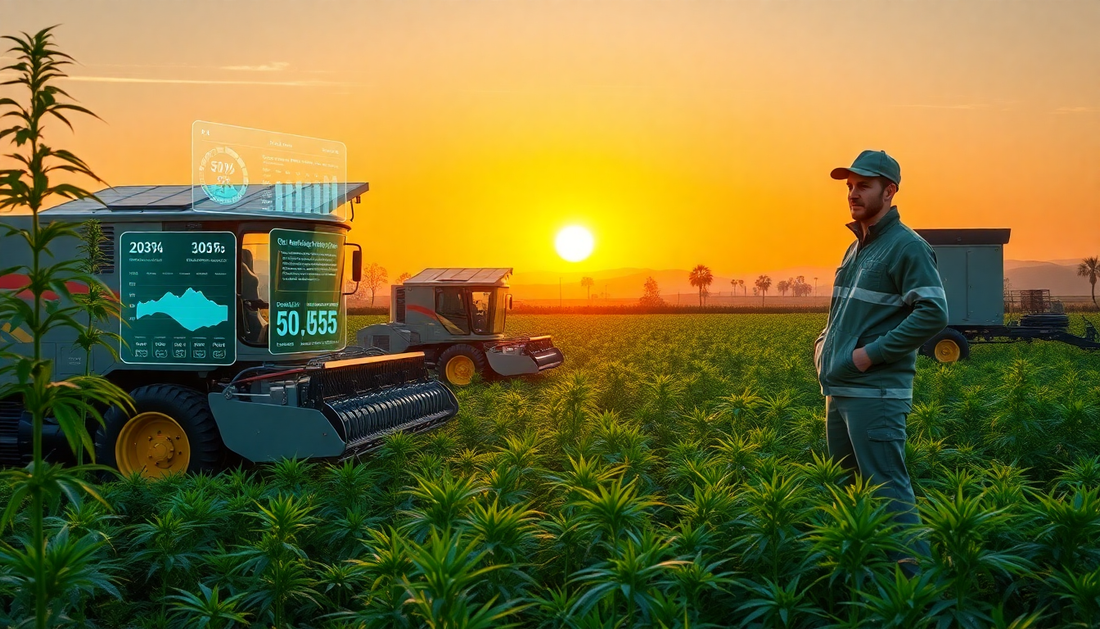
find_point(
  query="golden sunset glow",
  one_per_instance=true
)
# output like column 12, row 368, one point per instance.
column 681, row 133
column 574, row 243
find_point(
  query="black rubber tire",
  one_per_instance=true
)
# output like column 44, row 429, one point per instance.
column 929, row 348
column 187, row 407
column 481, row 365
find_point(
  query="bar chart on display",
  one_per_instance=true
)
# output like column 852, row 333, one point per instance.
column 307, row 197
column 244, row 169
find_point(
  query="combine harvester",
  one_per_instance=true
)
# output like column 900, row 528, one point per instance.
column 234, row 337
column 456, row 318
column 971, row 264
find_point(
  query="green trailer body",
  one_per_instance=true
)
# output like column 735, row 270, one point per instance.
column 456, row 316
column 237, row 382
column 971, row 266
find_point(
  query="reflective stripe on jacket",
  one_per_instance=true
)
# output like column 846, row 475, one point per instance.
column 888, row 299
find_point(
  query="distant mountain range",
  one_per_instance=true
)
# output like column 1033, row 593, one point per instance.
column 1060, row 276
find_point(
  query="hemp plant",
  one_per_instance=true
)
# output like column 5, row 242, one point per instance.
column 99, row 304
column 29, row 375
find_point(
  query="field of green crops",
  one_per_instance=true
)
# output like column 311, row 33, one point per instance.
column 670, row 474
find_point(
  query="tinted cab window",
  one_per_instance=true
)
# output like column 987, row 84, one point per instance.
column 450, row 305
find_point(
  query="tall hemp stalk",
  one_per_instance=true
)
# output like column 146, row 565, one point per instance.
column 99, row 304
column 37, row 67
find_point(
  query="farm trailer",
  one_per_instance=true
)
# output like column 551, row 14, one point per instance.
column 456, row 317
column 233, row 336
column 971, row 264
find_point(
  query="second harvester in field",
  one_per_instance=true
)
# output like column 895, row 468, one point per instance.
column 456, row 318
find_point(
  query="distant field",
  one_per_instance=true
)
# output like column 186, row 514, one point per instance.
column 715, row 305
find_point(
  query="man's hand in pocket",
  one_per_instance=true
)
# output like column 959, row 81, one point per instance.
column 861, row 360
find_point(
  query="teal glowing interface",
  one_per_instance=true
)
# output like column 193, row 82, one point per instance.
column 306, row 271
column 241, row 169
column 178, row 295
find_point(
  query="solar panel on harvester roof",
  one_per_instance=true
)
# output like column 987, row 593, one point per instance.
column 184, row 197
column 460, row 275
column 156, row 196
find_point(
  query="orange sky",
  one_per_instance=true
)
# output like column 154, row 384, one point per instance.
column 679, row 131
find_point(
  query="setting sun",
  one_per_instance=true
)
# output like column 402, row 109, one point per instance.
column 574, row 243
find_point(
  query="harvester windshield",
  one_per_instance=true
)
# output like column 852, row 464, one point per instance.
column 480, row 310
column 254, row 283
column 487, row 308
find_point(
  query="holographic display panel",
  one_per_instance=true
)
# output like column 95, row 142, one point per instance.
column 178, row 298
column 241, row 169
column 306, row 300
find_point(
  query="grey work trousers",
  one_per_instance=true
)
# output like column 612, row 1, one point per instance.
column 867, row 437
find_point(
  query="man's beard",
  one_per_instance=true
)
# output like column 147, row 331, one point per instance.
column 864, row 212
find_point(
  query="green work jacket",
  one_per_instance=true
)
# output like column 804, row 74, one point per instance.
column 888, row 299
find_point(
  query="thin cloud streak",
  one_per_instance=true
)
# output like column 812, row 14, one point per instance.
column 961, row 106
column 190, row 66
column 277, row 66
column 120, row 79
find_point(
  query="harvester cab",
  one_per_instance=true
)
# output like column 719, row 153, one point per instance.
column 233, row 335
column 456, row 317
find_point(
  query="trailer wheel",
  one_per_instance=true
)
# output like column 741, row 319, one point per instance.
column 458, row 364
column 172, row 430
column 948, row 346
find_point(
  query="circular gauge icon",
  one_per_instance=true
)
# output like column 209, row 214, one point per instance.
column 223, row 175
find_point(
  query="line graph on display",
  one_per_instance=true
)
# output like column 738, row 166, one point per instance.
column 192, row 310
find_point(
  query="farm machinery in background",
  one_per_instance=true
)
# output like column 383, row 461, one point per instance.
column 455, row 317
column 234, row 333
column 971, row 264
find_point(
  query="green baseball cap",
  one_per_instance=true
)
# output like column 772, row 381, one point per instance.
column 872, row 164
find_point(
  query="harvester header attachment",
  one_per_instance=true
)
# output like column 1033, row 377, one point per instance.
column 351, row 402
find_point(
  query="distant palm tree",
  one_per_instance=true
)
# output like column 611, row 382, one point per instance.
column 783, row 286
column 763, row 283
column 1090, row 268
column 701, row 277
column 588, row 283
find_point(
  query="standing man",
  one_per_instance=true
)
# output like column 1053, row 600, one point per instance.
column 887, row 301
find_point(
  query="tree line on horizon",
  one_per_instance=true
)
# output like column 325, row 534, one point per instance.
column 701, row 277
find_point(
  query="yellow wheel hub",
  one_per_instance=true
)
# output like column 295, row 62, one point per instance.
column 947, row 351
column 154, row 444
column 460, row 370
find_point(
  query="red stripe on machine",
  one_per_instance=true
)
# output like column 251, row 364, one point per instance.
column 14, row 281
column 422, row 310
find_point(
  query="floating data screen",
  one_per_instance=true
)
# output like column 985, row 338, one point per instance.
column 178, row 295
column 306, row 300
column 252, row 170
